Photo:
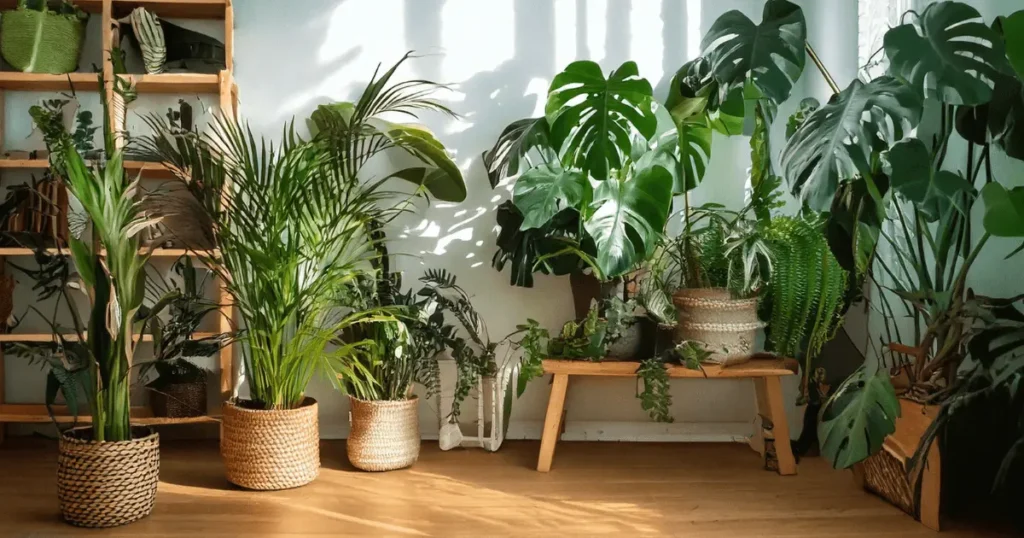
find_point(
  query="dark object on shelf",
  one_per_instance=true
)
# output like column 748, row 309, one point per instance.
column 6, row 300
column 180, row 391
column 186, row 50
column 106, row 484
column 36, row 39
column 40, row 209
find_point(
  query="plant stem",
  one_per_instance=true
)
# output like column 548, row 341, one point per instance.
column 821, row 68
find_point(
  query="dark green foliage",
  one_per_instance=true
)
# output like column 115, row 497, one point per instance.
column 807, row 289
column 655, row 396
column 534, row 345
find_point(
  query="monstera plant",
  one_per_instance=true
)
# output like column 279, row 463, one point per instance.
column 595, row 178
column 899, row 214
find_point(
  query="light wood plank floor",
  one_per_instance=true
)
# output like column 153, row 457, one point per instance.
column 711, row 490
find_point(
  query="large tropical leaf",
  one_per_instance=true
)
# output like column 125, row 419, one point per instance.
column 858, row 417
column 542, row 192
column 836, row 142
column 770, row 54
column 628, row 219
column 933, row 192
column 684, row 152
column 594, row 120
column 1013, row 32
column 514, row 143
column 441, row 176
column 948, row 54
column 1004, row 210
column 521, row 249
column 1005, row 115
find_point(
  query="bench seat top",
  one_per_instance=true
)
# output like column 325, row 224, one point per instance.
column 753, row 368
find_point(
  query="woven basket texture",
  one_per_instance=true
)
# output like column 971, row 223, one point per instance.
column 35, row 42
column 180, row 400
column 727, row 327
column 106, row 484
column 385, row 435
column 270, row 449
column 885, row 475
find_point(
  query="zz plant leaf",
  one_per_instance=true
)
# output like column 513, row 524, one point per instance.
column 836, row 143
column 858, row 417
column 771, row 54
column 594, row 119
column 948, row 54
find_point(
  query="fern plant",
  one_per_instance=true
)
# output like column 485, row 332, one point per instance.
column 807, row 290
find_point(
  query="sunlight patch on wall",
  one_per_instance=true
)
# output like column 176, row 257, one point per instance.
column 597, row 15
column 645, row 39
column 693, row 34
column 565, row 34
column 538, row 88
column 471, row 47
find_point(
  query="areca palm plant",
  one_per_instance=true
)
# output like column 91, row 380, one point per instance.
column 293, row 221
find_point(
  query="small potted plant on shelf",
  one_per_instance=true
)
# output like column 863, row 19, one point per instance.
column 293, row 232
column 180, row 387
column 36, row 39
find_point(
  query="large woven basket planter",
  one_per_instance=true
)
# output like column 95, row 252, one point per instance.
column 180, row 400
column 106, row 484
column 726, row 327
column 270, row 449
column 41, row 42
column 385, row 435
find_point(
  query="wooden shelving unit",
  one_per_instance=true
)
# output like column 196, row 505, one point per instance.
column 222, row 84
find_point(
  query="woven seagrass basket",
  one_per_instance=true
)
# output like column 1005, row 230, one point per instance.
column 385, row 435
column 727, row 327
column 41, row 42
column 106, row 484
column 270, row 449
column 180, row 400
column 886, row 476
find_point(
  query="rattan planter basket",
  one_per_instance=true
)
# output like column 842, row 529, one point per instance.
column 106, row 484
column 385, row 435
column 270, row 450
column 180, row 400
column 727, row 327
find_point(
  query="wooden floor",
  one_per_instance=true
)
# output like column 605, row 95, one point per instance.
column 593, row 489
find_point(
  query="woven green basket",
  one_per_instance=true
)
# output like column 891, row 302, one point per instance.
column 41, row 41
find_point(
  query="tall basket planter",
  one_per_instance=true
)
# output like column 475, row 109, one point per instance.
column 270, row 449
column 727, row 327
column 385, row 435
column 45, row 41
column 106, row 484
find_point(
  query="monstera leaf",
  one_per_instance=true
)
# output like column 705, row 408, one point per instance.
column 858, row 417
column 1005, row 115
column 594, row 120
column 835, row 143
column 684, row 152
column 542, row 192
column 513, row 144
column 628, row 219
column 771, row 54
column 948, row 54
column 1013, row 32
column 854, row 224
column 1004, row 210
column 933, row 192
column 520, row 249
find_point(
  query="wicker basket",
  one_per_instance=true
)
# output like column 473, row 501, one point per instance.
column 727, row 327
column 886, row 476
column 270, row 449
column 180, row 400
column 385, row 435
column 41, row 42
column 106, row 484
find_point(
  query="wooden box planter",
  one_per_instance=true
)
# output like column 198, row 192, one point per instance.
column 885, row 473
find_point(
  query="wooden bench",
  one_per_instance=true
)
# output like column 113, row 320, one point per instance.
column 766, row 373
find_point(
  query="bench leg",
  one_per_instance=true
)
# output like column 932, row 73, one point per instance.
column 770, row 404
column 552, row 422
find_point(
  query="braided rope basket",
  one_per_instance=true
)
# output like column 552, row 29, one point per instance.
column 385, row 435
column 270, row 449
column 106, row 484
column 727, row 327
column 180, row 400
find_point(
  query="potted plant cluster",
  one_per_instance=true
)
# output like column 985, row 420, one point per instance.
column 294, row 232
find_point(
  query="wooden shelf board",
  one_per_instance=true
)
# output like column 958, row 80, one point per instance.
column 148, row 169
column 85, row 419
column 179, row 83
column 48, row 337
column 181, row 9
column 157, row 253
column 42, row 82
